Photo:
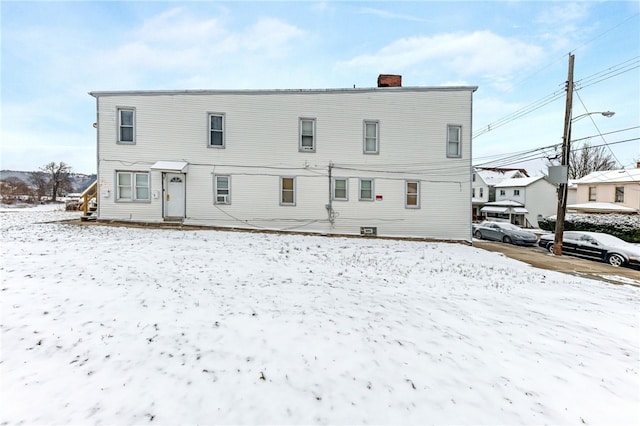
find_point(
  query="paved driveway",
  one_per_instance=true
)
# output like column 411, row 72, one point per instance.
column 540, row 258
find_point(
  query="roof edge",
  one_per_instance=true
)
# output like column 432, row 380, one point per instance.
column 99, row 93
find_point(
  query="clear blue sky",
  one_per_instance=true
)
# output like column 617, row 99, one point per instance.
column 54, row 53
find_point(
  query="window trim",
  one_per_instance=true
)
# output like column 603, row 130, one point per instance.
column 459, row 151
column 281, row 191
column 619, row 190
column 364, row 137
column 215, row 189
column 133, row 187
column 314, row 135
column 406, row 194
column 373, row 196
column 223, row 131
column 119, row 125
column 346, row 188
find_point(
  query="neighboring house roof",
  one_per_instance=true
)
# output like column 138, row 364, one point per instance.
column 518, row 182
column 505, row 203
column 601, row 208
column 494, row 176
column 611, row 176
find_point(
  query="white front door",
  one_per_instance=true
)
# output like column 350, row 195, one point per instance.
column 174, row 189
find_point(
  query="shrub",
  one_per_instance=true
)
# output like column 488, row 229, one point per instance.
column 623, row 226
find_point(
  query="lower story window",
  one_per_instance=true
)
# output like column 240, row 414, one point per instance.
column 340, row 189
column 366, row 189
column 592, row 193
column 619, row 194
column 412, row 194
column 287, row 191
column 132, row 186
column 222, row 189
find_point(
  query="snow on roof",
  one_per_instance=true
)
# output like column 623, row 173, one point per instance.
column 508, row 203
column 518, row 182
column 492, row 177
column 601, row 207
column 611, row 176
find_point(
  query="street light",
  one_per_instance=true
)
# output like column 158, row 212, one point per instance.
column 564, row 184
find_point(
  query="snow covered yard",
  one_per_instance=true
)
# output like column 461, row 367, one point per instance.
column 106, row 325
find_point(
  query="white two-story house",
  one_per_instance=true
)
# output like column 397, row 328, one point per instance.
column 386, row 160
column 483, row 182
column 523, row 201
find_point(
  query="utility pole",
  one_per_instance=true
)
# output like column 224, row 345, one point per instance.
column 566, row 149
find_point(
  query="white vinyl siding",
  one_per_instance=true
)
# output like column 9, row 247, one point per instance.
column 222, row 189
column 216, row 130
column 454, row 141
column 371, row 137
column 132, row 186
column 257, row 155
column 126, row 125
column 307, row 137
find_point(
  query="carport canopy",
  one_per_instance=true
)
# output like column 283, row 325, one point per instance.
column 520, row 210
column 171, row 166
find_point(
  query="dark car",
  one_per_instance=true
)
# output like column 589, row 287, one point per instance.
column 505, row 232
column 596, row 246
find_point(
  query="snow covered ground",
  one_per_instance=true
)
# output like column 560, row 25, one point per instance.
column 108, row 325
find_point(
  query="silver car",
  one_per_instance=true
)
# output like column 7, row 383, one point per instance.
column 596, row 246
column 505, row 232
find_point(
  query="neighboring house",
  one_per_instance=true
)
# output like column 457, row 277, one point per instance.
column 611, row 191
column 523, row 201
column 386, row 160
column 483, row 185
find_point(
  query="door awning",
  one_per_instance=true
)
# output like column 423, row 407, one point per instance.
column 171, row 166
column 520, row 210
column 491, row 209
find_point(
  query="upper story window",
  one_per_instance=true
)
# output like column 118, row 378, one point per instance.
column 366, row 190
column 126, row 125
column 222, row 189
column 307, row 137
column 473, row 177
column 619, row 194
column 502, row 192
column 132, row 186
column 340, row 189
column 216, row 130
column 287, row 191
column 371, row 137
column 454, row 141
column 412, row 194
column 481, row 192
column 592, row 193
column 516, row 192
column 473, row 193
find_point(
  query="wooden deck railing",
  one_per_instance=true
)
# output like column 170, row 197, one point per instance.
column 87, row 197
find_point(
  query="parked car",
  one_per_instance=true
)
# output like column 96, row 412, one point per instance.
column 505, row 232
column 596, row 246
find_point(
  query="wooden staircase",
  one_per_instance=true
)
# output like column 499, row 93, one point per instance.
column 89, row 202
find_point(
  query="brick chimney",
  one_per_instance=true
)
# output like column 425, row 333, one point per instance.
column 389, row 80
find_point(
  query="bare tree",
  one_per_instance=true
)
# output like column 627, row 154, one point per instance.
column 586, row 159
column 40, row 183
column 58, row 177
column 13, row 189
